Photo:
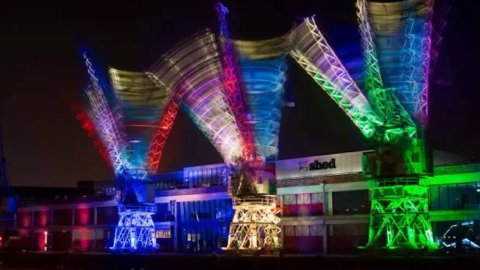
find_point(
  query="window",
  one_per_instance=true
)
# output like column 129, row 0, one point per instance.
column 301, row 230
column 289, row 230
column 317, row 198
column 351, row 202
column 455, row 196
column 316, row 230
column 303, row 198
column 349, row 229
column 163, row 233
column 289, row 199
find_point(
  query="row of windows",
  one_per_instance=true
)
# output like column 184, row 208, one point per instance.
column 348, row 229
column 304, row 198
column 202, row 237
column 163, row 233
column 344, row 202
column 351, row 202
column 208, row 177
column 318, row 230
column 441, row 197
column 455, row 196
column 303, row 230
column 215, row 210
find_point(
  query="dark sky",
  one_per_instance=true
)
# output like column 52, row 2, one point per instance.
column 42, row 77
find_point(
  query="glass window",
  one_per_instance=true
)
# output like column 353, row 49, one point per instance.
column 454, row 197
column 349, row 229
column 303, row 198
column 317, row 198
column 443, row 197
column 289, row 230
column 434, row 198
column 351, row 202
column 289, row 199
column 316, row 230
column 301, row 230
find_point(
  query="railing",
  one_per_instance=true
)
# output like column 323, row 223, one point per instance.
column 256, row 200
column 147, row 208
column 453, row 169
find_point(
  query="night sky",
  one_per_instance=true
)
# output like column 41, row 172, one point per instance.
column 42, row 78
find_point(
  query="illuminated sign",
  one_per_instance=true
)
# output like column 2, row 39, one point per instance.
column 334, row 164
column 319, row 165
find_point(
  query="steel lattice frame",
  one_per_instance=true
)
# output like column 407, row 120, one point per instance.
column 196, row 70
column 403, row 43
column 397, row 45
column 417, row 47
column 142, row 103
column 135, row 229
column 313, row 53
column 397, row 121
column 232, row 89
column 255, row 225
column 159, row 138
column 87, row 124
column 104, row 120
column 139, row 99
column 399, row 209
column 400, row 217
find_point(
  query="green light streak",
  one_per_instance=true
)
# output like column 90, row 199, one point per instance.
column 397, row 121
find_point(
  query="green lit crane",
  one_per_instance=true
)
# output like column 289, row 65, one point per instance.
column 391, row 110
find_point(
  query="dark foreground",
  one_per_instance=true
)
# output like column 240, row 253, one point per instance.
column 66, row 261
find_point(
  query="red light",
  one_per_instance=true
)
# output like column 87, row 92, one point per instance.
column 83, row 216
column 163, row 130
column 42, row 218
column 89, row 127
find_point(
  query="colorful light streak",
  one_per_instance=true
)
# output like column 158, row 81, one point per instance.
column 255, row 223
column 402, row 33
column 232, row 89
column 264, row 81
column 104, row 120
column 143, row 102
column 397, row 45
column 313, row 53
column 129, row 134
column 397, row 120
column 195, row 69
column 89, row 127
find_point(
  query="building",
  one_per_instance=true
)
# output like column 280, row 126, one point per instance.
column 324, row 201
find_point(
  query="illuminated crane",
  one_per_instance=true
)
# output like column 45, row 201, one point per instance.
column 237, row 103
column 132, row 116
column 392, row 111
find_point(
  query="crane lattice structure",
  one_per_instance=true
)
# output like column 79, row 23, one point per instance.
column 392, row 111
column 262, row 73
column 263, row 68
column 133, row 115
column 240, row 115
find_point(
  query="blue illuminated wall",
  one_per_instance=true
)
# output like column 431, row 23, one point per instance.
column 203, row 225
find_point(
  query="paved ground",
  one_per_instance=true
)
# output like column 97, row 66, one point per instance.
column 66, row 261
